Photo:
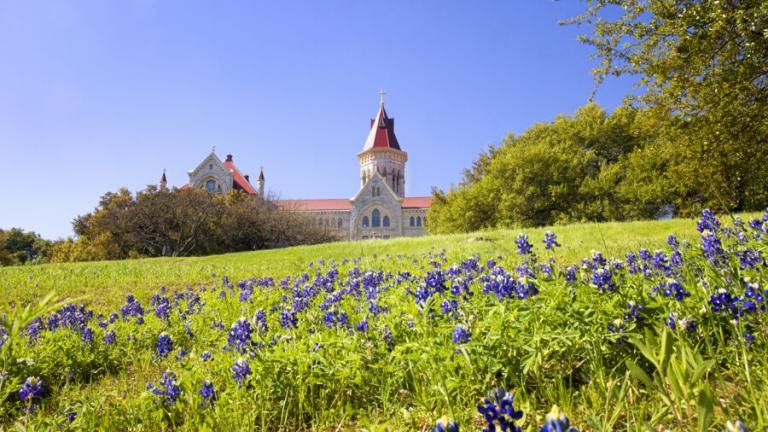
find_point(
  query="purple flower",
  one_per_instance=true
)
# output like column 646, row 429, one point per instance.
column 708, row 222
column 498, row 409
column 208, row 394
column 164, row 344
column 205, row 356
column 241, row 370
column 87, row 335
column 240, row 335
column 557, row 422
column 550, row 240
column 445, row 426
column 132, row 309
column 168, row 389
column 461, row 334
column 31, row 389
column 109, row 337
column 523, row 245
column 362, row 327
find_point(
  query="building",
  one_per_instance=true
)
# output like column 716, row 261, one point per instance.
column 380, row 208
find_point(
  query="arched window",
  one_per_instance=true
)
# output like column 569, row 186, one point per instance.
column 211, row 185
column 425, row 221
column 365, row 221
column 339, row 223
column 376, row 218
column 412, row 221
column 385, row 221
column 418, row 220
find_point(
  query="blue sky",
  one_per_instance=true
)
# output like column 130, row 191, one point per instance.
column 96, row 95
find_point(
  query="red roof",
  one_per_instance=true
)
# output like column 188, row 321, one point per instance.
column 343, row 204
column 239, row 181
column 417, row 202
column 382, row 134
column 315, row 204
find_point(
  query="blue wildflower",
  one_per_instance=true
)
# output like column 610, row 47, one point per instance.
column 602, row 279
column 110, row 337
column 461, row 334
column 550, row 240
column 240, row 335
column 208, row 394
column 443, row 425
column 241, row 370
column 708, row 222
column 164, row 344
column 31, row 389
column 557, row 422
column 362, row 327
column 168, row 389
column 132, row 309
column 87, row 335
column 205, row 356
column 523, row 245
column 673, row 288
column 498, row 408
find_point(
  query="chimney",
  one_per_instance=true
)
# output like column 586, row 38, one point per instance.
column 247, row 178
column 229, row 158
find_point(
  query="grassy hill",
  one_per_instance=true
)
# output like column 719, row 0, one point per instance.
column 394, row 335
column 106, row 283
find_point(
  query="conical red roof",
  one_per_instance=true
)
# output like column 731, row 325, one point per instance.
column 382, row 134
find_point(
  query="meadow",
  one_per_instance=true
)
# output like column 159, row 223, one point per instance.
column 618, row 326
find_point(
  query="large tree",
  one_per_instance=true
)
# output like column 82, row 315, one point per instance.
column 706, row 63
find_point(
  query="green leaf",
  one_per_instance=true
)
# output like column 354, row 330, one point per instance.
column 639, row 373
column 704, row 409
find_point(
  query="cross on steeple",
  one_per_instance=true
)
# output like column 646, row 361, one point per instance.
column 381, row 94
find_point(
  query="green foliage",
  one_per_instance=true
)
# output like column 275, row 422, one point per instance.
column 19, row 247
column 551, row 349
column 181, row 222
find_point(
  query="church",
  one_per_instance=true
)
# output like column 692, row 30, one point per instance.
column 380, row 208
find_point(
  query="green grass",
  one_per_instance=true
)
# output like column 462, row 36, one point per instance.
column 551, row 348
column 106, row 283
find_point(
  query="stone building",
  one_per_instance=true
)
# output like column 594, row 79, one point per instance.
column 380, row 208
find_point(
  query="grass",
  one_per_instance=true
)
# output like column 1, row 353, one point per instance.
column 106, row 283
column 551, row 344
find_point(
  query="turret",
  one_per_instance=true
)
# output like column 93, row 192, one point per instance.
column 260, row 182
column 382, row 154
column 163, row 181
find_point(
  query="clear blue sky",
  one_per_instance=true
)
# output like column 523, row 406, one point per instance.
column 95, row 95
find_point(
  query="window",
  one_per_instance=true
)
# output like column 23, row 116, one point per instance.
column 376, row 218
column 412, row 222
column 210, row 166
column 339, row 223
column 418, row 220
column 365, row 221
column 385, row 221
column 425, row 221
column 211, row 186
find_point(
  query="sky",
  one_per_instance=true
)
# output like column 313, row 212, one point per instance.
column 96, row 95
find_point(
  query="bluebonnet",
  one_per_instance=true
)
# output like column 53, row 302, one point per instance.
column 723, row 301
column 288, row 319
column 557, row 422
column 205, row 356
column 162, row 307
column 708, row 222
column 239, row 337
column 388, row 338
column 260, row 321
column 617, row 326
column 498, row 409
column 711, row 246
column 673, row 242
column 450, row 307
column 633, row 311
column 164, row 344
column 673, row 288
column 241, row 370
column 362, row 327
column 738, row 426
column 570, row 274
column 31, row 389
column 602, row 279
column 461, row 334
column 109, row 337
column 181, row 354
column 132, row 309
column 34, row 328
column 749, row 338
column 208, row 394
column 686, row 324
column 598, row 260
column 750, row 259
column 550, row 240
column 445, row 426
column 87, row 335
column 523, row 245
column 167, row 390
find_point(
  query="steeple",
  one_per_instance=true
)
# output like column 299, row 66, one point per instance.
column 260, row 182
column 163, row 181
column 382, row 154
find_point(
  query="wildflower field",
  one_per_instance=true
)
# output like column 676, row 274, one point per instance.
column 636, row 326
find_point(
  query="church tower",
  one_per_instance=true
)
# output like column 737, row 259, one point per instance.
column 382, row 154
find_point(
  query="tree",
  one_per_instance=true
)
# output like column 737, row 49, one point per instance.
column 20, row 247
column 704, row 63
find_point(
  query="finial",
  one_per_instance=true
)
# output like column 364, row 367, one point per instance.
column 381, row 94
column 213, row 148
